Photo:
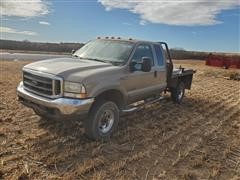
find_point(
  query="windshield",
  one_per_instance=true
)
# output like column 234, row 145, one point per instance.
column 106, row 50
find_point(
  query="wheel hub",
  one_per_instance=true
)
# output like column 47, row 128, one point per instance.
column 106, row 121
column 180, row 92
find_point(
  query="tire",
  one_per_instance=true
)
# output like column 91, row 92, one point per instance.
column 177, row 93
column 102, row 120
column 44, row 115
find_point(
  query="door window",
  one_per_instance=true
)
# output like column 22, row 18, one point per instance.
column 142, row 50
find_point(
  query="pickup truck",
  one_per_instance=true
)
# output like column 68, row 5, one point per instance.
column 105, row 78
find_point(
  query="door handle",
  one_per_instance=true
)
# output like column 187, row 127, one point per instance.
column 155, row 73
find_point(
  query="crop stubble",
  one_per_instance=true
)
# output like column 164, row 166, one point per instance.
column 197, row 139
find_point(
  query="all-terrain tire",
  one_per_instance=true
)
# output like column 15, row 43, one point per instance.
column 177, row 93
column 102, row 112
column 43, row 115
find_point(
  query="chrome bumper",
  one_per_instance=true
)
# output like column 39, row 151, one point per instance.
column 66, row 106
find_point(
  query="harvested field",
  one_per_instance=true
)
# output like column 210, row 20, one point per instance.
column 198, row 139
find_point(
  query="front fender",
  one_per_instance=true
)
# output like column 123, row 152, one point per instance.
column 99, row 89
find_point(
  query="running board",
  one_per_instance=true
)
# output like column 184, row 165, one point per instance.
column 141, row 106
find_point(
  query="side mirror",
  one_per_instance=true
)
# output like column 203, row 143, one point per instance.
column 146, row 64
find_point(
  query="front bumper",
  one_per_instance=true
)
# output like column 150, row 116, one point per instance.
column 65, row 106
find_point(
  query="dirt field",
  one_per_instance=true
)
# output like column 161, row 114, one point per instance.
column 199, row 139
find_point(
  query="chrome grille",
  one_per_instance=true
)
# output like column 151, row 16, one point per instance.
column 41, row 84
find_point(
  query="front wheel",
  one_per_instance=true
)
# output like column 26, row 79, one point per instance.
column 102, row 120
column 177, row 93
column 43, row 115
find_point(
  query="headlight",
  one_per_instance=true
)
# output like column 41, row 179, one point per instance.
column 74, row 90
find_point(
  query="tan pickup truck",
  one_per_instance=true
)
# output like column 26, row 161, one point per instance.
column 102, row 80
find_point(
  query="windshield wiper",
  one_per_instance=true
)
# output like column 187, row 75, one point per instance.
column 74, row 55
column 116, row 63
column 95, row 59
column 109, row 62
column 100, row 60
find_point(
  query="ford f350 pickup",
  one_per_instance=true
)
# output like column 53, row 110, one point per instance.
column 102, row 80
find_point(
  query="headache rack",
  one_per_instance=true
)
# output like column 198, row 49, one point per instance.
column 43, row 84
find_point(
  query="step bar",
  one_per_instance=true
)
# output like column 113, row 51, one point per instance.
column 141, row 106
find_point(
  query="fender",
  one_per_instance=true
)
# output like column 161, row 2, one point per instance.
column 99, row 89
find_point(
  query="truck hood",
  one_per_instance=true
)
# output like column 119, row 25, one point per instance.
column 66, row 66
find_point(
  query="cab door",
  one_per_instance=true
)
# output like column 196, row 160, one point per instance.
column 139, row 84
column 160, row 66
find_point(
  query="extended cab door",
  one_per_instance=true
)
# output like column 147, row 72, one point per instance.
column 139, row 84
column 160, row 65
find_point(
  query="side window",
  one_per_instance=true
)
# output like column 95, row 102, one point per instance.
column 143, row 50
column 159, row 55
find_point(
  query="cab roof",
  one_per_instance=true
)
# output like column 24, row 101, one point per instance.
column 126, row 40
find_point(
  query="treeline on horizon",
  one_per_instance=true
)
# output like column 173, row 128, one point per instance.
column 39, row 46
column 68, row 47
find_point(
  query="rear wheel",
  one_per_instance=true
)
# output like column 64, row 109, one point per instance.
column 178, row 92
column 102, row 120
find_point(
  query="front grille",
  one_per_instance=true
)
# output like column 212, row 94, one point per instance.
column 45, row 86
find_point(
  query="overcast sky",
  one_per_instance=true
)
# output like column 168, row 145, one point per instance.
column 201, row 25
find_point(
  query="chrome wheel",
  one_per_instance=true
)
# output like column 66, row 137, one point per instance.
column 106, row 121
column 180, row 93
column 177, row 93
